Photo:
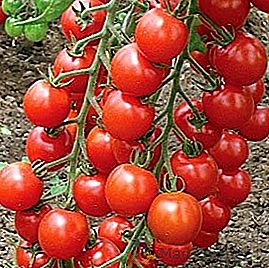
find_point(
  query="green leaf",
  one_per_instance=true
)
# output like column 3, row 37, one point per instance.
column 5, row 131
column 3, row 164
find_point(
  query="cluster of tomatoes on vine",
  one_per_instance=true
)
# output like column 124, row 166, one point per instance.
column 187, row 199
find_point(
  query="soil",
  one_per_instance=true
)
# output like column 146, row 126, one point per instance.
column 244, row 243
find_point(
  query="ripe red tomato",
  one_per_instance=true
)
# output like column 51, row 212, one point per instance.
column 216, row 215
column 157, row 150
column 125, row 117
column 200, row 173
column 93, row 24
column 72, row 128
column 175, row 218
column 207, row 136
column 26, row 187
column 3, row 16
column 172, row 3
column 172, row 255
column 202, row 58
column 27, row 222
column 228, row 107
column 233, row 187
column 45, row 105
column 205, row 240
column 40, row 145
column 99, row 149
column 130, row 190
column 257, row 128
column 262, row 5
column 226, row 12
column 230, row 152
column 256, row 90
column 112, row 229
column 65, row 62
column 63, row 234
column 89, row 194
column 133, row 74
column 243, row 62
column 168, row 34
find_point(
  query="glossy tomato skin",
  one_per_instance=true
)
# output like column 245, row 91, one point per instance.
column 45, row 105
column 256, row 90
column 133, row 74
column 72, row 128
column 228, row 107
column 216, row 215
column 243, row 62
column 202, row 58
column 233, row 187
column 99, row 149
column 27, row 222
column 130, row 190
column 166, row 214
column 89, row 194
column 230, row 152
column 262, row 5
column 26, row 187
column 69, row 24
column 205, row 240
column 125, row 117
column 200, row 173
column 42, row 146
column 168, row 34
column 63, row 234
column 112, row 229
column 257, row 128
column 3, row 16
column 157, row 150
column 226, row 12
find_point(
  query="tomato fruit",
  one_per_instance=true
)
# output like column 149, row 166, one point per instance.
column 175, row 218
column 257, row 91
column 130, row 190
column 26, row 187
column 11, row 29
column 262, row 5
column 112, row 229
column 125, row 117
column 36, row 32
column 202, row 58
column 205, row 240
column 63, row 234
column 3, row 16
column 133, row 74
column 27, row 222
column 11, row 7
column 72, row 128
column 89, row 194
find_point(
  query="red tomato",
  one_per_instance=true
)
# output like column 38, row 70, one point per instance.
column 200, row 173
column 45, row 105
column 168, row 34
column 263, row 5
column 216, row 215
column 26, row 187
column 72, row 128
column 175, row 218
column 228, row 107
column 204, row 30
column 89, row 194
column 172, row 3
column 27, row 222
column 226, row 12
column 99, row 149
column 257, row 91
column 93, row 24
column 257, row 128
column 63, row 234
column 130, row 190
column 233, row 187
column 112, row 229
column 40, row 145
column 3, row 16
column 125, row 117
column 231, row 151
column 91, row 120
column 202, row 58
column 243, row 62
column 172, row 255
column 207, row 136
column 133, row 74
column 205, row 240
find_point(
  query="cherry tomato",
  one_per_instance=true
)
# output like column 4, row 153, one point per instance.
column 112, row 229
column 216, row 215
column 257, row 128
column 130, row 190
column 231, row 151
column 168, row 34
column 257, row 91
column 133, row 74
column 3, row 16
column 228, row 107
column 11, row 7
column 243, row 62
column 99, row 149
column 233, row 187
column 205, row 240
column 63, row 234
column 262, row 5
column 157, row 150
column 199, row 173
column 125, row 117
column 89, row 194
column 72, row 128
column 175, row 218
column 36, row 32
column 172, row 3
column 26, row 187
column 27, row 222
column 202, row 58
column 11, row 29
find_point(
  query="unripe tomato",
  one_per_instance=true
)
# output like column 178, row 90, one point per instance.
column 36, row 32
column 11, row 29
column 11, row 7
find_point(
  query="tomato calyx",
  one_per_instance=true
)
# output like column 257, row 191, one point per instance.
column 192, row 148
column 198, row 122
